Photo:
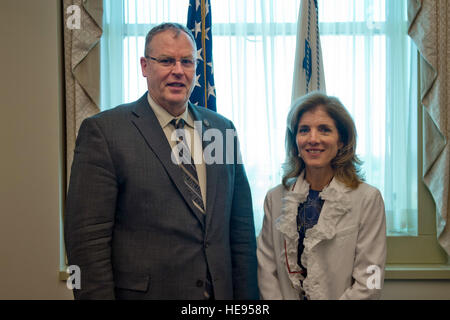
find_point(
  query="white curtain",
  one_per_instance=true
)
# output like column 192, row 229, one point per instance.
column 366, row 60
column 126, row 23
column 370, row 65
column 254, row 53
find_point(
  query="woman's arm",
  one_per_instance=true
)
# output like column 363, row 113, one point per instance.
column 269, row 285
column 370, row 255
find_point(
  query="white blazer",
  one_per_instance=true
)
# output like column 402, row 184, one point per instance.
column 345, row 252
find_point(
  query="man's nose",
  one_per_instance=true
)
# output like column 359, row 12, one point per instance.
column 177, row 68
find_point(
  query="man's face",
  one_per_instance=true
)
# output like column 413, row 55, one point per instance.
column 170, row 86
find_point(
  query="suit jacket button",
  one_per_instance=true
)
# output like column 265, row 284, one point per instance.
column 199, row 283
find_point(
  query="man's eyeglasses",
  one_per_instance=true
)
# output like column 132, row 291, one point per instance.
column 167, row 62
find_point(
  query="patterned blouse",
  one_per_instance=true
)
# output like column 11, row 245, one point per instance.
column 308, row 215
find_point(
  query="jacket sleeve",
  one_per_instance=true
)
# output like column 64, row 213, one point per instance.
column 269, row 285
column 370, row 255
column 90, row 210
column 242, row 234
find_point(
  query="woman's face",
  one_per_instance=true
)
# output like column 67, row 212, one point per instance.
column 317, row 139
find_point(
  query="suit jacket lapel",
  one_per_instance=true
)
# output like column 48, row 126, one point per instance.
column 211, row 169
column 148, row 125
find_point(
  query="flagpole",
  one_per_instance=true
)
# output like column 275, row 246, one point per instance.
column 204, row 53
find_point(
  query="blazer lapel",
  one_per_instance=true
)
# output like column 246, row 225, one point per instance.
column 211, row 169
column 148, row 125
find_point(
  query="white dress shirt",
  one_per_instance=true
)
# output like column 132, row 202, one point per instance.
column 195, row 144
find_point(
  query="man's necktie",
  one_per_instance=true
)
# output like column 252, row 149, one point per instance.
column 188, row 167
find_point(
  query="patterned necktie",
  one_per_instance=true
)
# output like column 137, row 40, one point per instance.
column 188, row 167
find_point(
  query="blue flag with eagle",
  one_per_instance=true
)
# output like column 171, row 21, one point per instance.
column 199, row 22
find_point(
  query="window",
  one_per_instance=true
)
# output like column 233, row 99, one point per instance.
column 368, row 65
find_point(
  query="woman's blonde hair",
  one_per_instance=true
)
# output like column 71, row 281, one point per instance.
column 346, row 164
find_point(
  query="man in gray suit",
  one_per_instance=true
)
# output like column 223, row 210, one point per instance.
column 141, row 224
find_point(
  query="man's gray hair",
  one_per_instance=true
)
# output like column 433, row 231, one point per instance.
column 167, row 26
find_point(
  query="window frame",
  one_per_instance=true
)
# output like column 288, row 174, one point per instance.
column 427, row 260
column 426, row 247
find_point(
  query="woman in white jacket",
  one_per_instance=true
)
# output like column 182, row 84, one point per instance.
column 324, row 230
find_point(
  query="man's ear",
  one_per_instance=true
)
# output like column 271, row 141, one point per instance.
column 144, row 67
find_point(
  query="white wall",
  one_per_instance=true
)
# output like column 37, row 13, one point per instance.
column 31, row 151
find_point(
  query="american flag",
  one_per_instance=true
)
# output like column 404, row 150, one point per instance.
column 308, row 70
column 199, row 22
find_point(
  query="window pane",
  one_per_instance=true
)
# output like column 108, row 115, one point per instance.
column 234, row 11
column 352, row 10
column 136, row 84
column 257, row 71
column 155, row 11
column 254, row 46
